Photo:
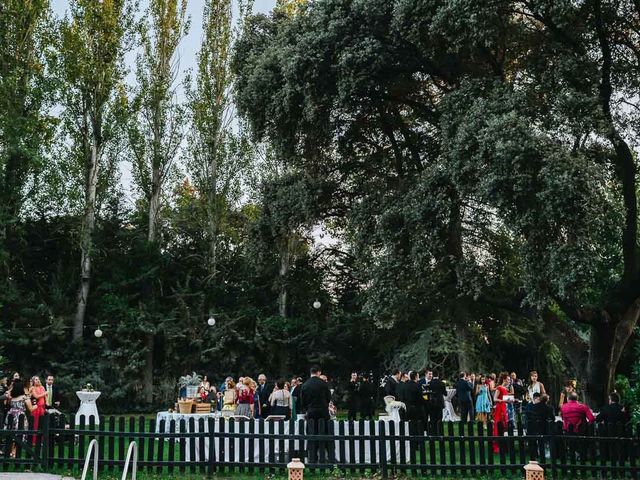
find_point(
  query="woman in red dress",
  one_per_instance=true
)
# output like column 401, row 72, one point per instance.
column 500, row 416
column 246, row 397
column 39, row 393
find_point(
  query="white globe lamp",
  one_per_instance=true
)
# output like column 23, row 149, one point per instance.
column 211, row 322
column 98, row 333
column 317, row 304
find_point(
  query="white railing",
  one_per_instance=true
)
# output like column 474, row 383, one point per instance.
column 93, row 448
column 133, row 450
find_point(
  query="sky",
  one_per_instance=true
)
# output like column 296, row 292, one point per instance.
column 187, row 54
column 187, row 51
column 191, row 43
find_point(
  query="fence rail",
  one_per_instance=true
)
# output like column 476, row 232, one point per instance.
column 213, row 446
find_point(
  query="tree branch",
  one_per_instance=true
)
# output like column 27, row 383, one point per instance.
column 626, row 168
column 560, row 333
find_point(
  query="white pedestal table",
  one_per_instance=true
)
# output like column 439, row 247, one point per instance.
column 88, row 407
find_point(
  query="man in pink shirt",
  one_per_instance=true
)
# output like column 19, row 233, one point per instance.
column 574, row 414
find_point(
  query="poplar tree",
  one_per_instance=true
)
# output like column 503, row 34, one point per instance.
column 93, row 42
column 156, row 126
column 218, row 152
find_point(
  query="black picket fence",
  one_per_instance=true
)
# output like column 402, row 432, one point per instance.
column 214, row 446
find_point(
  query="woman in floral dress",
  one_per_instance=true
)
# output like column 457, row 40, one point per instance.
column 16, row 418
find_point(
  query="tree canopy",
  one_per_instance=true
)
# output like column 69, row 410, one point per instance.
column 481, row 154
column 454, row 181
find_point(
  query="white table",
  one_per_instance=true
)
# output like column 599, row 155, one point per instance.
column 276, row 428
column 88, row 407
column 448, row 413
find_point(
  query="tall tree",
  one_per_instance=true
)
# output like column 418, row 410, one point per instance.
column 218, row 152
column 91, row 65
column 475, row 157
column 157, row 130
column 25, row 93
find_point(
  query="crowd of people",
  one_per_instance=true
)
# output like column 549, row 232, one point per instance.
column 20, row 398
column 478, row 397
column 246, row 397
column 498, row 398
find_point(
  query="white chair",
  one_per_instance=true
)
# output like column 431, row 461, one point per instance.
column 393, row 407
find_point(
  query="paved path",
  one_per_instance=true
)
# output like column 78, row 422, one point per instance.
column 31, row 476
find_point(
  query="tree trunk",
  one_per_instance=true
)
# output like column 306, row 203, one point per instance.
column 86, row 240
column 465, row 355
column 147, row 380
column 152, row 237
column 596, row 362
column 154, row 205
column 213, row 246
column 599, row 370
column 285, row 264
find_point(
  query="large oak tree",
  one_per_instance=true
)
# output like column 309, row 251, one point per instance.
column 480, row 153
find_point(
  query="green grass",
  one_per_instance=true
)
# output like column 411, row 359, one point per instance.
column 334, row 475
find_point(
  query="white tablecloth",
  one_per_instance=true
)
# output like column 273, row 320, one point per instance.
column 277, row 428
column 448, row 413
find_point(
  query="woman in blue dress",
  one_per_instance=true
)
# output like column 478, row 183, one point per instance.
column 483, row 401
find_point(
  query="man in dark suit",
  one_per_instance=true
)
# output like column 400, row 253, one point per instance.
column 613, row 413
column 413, row 395
column 367, row 392
column 435, row 391
column 463, row 392
column 52, row 402
column 608, row 419
column 353, row 394
column 401, row 394
column 296, row 386
column 53, row 397
column 263, row 393
column 540, row 417
column 315, row 396
column 391, row 387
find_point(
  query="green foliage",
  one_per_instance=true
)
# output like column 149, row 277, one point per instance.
column 470, row 168
column 478, row 166
column 632, row 397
